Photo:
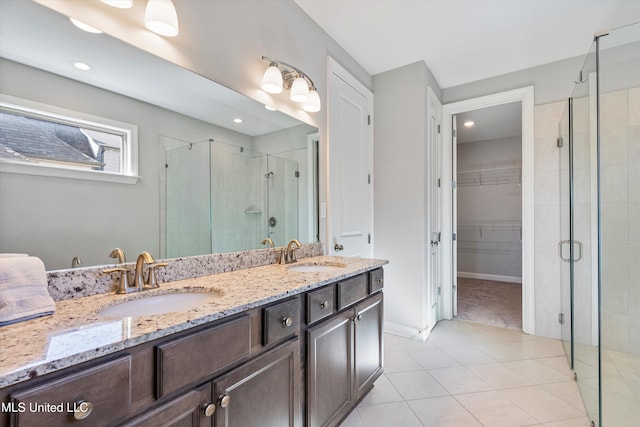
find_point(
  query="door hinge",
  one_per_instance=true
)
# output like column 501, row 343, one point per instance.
column 369, row 179
column 369, row 238
column 453, row 133
column 438, row 182
column 455, row 237
column 559, row 142
column 561, row 318
column 438, row 128
column 297, row 174
column 439, row 291
column 454, row 185
column 369, row 119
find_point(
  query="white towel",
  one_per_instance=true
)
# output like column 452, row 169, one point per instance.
column 23, row 290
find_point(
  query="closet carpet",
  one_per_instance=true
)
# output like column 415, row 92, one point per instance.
column 490, row 302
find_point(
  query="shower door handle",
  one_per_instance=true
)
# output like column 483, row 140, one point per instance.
column 561, row 243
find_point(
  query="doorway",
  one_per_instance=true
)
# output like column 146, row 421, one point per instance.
column 488, row 171
column 525, row 96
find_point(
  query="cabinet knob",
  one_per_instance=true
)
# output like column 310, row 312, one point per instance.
column 209, row 409
column 338, row 247
column 82, row 409
column 224, row 401
column 379, row 281
column 357, row 318
column 286, row 322
column 324, row 304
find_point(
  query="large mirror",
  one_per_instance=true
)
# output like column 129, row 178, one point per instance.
column 206, row 183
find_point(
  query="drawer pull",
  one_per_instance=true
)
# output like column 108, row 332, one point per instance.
column 379, row 281
column 357, row 318
column 209, row 409
column 224, row 401
column 286, row 322
column 324, row 304
column 82, row 409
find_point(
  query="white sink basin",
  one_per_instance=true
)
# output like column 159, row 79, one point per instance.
column 314, row 268
column 159, row 304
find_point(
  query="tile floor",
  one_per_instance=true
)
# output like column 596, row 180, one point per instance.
column 467, row 374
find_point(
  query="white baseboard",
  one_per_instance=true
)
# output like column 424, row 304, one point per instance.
column 418, row 334
column 511, row 279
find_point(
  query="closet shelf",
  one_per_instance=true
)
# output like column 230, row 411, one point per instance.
column 489, row 177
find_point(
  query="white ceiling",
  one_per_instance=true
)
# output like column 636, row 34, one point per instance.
column 467, row 40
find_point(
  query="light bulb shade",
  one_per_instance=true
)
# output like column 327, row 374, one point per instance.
column 272, row 80
column 120, row 4
column 299, row 90
column 313, row 103
column 160, row 17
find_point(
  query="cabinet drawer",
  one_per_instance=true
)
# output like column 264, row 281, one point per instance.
column 376, row 280
column 101, row 394
column 186, row 361
column 352, row 290
column 280, row 321
column 320, row 303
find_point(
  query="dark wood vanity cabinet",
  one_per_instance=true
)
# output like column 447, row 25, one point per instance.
column 344, row 355
column 304, row 360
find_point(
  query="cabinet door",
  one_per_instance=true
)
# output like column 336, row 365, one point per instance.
column 329, row 370
column 368, row 344
column 189, row 410
column 263, row 392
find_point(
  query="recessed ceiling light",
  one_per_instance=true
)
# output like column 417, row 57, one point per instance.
column 269, row 107
column 85, row 27
column 237, row 120
column 469, row 124
column 81, row 66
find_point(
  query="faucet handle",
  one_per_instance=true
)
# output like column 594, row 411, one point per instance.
column 123, row 286
column 152, row 281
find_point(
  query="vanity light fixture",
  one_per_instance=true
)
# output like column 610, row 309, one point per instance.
column 280, row 75
column 469, row 124
column 270, row 108
column 85, row 27
column 120, row 4
column 161, row 17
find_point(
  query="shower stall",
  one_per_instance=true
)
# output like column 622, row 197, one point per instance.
column 599, row 140
column 223, row 198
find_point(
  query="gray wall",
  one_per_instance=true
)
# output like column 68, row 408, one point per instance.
column 400, row 193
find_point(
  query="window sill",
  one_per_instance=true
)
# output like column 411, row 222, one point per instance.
column 40, row 170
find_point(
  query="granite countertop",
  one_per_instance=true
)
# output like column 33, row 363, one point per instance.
column 76, row 333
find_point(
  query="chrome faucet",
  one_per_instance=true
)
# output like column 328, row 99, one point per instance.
column 138, row 278
column 267, row 241
column 119, row 254
column 289, row 253
column 75, row 262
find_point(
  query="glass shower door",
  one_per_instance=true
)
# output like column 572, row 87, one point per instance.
column 282, row 199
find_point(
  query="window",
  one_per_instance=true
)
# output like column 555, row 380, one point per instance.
column 45, row 140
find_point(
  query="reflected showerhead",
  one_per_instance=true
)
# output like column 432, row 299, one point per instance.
column 268, row 175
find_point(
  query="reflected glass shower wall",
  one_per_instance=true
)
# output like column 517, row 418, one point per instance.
column 600, row 229
column 225, row 198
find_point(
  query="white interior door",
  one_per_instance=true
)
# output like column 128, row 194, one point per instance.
column 454, row 219
column 350, row 165
column 434, row 111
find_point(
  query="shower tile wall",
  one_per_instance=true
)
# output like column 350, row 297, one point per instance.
column 620, row 160
column 547, row 219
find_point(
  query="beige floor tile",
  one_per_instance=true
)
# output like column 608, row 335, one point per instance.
column 443, row 412
column 388, row 414
column 383, row 392
column 459, row 380
column 396, row 343
column 399, row 361
column 433, row 358
column 467, row 356
column 416, row 385
column 572, row 422
column 568, row 392
column 541, row 404
column 539, row 372
column 505, row 351
column 498, row 376
column 493, row 409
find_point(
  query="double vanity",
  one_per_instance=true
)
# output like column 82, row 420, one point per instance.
column 274, row 345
